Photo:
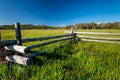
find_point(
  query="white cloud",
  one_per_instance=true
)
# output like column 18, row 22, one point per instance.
column 62, row 25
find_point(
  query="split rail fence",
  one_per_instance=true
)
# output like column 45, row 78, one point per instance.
column 9, row 48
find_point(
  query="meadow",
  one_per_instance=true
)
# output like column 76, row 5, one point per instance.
column 66, row 60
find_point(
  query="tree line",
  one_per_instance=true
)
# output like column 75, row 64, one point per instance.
column 93, row 25
column 27, row 26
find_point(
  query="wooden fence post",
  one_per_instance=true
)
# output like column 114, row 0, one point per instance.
column 73, row 34
column 75, row 28
column 18, row 33
column 72, row 30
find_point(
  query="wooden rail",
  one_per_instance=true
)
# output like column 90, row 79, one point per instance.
column 112, row 34
column 46, row 43
column 7, row 42
column 89, row 40
column 46, row 38
column 99, row 38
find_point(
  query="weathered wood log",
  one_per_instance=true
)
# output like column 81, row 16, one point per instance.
column 7, row 42
column 16, row 48
column 89, row 40
column 112, row 34
column 99, row 38
column 45, row 43
column 19, row 59
column 45, row 38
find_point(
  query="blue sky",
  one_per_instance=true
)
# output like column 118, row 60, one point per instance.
column 58, row 12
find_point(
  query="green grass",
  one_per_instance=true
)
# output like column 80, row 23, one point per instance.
column 66, row 60
column 10, row 34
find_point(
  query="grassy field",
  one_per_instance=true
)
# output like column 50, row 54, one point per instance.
column 66, row 60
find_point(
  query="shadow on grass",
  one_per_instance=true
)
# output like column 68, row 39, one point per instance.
column 37, row 61
column 54, row 56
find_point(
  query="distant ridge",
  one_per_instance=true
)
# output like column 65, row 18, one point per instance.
column 92, row 25
column 28, row 26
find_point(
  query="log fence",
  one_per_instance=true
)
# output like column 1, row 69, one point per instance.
column 24, row 54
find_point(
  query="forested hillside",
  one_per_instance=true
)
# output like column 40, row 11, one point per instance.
column 27, row 26
column 93, row 25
